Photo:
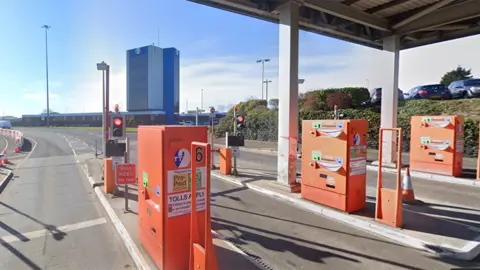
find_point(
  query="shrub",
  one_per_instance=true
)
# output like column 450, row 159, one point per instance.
column 342, row 100
column 357, row 96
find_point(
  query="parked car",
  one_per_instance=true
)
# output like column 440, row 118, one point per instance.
column 376, row 97
column 5, row 124
column 465, row 88
column 431, row 91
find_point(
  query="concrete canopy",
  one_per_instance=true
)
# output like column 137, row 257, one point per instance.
column 369, row 22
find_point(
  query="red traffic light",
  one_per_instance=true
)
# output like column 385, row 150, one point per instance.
column 117, row 122
column 240, row 119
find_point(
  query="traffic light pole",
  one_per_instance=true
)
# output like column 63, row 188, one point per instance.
column 234, row 170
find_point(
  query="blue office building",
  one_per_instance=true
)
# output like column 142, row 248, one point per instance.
column 153, row 77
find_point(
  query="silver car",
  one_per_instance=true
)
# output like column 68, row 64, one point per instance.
column 465, row 88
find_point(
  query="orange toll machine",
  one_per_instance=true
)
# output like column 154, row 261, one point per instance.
column 436, row 144
column 164, row 192
column 334, row 163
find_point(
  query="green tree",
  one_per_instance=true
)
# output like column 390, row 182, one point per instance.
column 457, row 74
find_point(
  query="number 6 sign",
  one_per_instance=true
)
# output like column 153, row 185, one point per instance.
column 199, row 154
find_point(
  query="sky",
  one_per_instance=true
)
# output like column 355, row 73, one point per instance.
column 218, row 53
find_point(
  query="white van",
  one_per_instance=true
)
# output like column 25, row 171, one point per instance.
column 5, row 124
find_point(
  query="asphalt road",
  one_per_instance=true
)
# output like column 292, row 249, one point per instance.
column 286, row 237
column 49, row 217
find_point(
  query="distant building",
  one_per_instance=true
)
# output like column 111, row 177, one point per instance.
column 153, row 77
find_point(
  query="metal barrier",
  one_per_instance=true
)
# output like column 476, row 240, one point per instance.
column 17, row 135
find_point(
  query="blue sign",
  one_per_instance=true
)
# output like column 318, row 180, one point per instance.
column 339, row 160
column 182, row 158
column 356, row 139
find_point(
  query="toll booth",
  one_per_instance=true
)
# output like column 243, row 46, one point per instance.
column 164, row 191
column 334, row 163
column 436, row 144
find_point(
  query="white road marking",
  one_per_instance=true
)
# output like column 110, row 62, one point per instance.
column 85, row 144
column 6, row 144
column 31, row 151
column 65, row 228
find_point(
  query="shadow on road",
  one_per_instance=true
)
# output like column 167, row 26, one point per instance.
column 56, row 233
column 286, row 243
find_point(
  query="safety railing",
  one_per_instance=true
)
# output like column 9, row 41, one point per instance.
column 17, row 135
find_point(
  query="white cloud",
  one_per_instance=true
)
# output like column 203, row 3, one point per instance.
column 232, row 79
column 86, row 95
column 229, row 79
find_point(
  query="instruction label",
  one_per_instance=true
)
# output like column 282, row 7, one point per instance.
column 179, row 191
column 358, row 166
column 179, row 204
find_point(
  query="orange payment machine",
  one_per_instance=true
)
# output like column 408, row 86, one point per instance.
column 164, row 194
column 436, row 144
column 334, row 163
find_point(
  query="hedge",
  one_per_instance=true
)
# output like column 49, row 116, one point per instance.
column 357, row 95
column 264, row 126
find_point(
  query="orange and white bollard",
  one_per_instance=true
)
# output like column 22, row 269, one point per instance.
column 5, row 158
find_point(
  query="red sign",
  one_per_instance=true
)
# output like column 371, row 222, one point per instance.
column 125, row 174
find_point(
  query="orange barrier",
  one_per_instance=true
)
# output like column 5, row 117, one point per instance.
column 164, row 198
column 226, row 161
column 334, row 163
column 108, row 176
column 388, row 209
column 436, row 144
column 202, row 256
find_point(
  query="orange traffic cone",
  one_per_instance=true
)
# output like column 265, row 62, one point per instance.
column 5, row 158
column 407, row 188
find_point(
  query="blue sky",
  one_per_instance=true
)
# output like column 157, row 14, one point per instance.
column 218, row 52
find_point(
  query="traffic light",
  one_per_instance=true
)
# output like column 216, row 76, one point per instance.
column 117, row 127
column 240, row 122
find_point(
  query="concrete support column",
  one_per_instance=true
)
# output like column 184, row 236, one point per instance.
column 389, row 106
column 288, row 93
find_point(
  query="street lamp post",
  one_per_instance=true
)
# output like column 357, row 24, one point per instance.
column 201, row 105
column 105, row 94
column 47, row 27
column 263, row 70
column 266, row 82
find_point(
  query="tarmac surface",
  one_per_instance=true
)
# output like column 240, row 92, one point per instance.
column 49, row 218
column 278, row 234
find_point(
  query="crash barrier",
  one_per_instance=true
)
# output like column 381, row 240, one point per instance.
column 334, row 164
column 17, row 135
column 388, row 209
column 165, row 157
column 436, row 144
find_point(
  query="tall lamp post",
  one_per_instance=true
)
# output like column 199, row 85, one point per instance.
column 263, row 70
column 47, row 27
column 105, row 94
column 266, row 82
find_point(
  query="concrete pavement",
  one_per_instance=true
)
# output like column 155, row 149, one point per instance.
column 238, row 215
column 49, row 217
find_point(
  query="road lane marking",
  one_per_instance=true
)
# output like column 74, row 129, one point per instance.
column 58, row 230
column 6, row 144
column 31, row 151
